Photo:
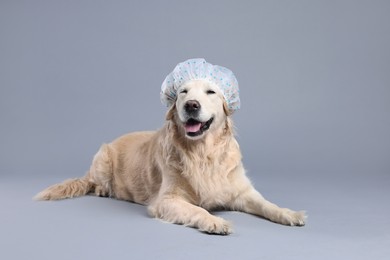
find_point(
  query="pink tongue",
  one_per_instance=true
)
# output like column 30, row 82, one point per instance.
column 192, row 128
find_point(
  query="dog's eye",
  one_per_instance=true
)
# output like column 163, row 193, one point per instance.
column 210, row 92
column 184, row 91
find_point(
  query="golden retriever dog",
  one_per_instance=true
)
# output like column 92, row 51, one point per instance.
column 189, row 167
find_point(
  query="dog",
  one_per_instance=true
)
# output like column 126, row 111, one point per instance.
column 189, row 167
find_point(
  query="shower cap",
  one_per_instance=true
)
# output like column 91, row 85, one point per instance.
column 194, row 69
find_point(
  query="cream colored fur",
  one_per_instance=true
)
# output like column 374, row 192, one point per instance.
column 179, row 178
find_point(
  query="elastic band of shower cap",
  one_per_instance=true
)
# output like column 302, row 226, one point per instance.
column 194, row 69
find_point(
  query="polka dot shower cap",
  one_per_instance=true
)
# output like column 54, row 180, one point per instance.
column 200, row 69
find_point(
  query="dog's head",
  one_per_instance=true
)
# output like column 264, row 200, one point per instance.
column 199, row 108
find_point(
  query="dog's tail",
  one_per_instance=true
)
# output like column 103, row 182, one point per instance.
column 97, row 180
column 67, row 189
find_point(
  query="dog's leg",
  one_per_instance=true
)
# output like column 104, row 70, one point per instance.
column 98, row 179
column 251, row 201
column 179, row 211
column 101, row 172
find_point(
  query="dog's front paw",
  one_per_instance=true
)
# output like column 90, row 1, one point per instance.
column 293, row 218
column 216, row 225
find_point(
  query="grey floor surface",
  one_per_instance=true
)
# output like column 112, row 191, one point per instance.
column 313, row 128
column 348, row 219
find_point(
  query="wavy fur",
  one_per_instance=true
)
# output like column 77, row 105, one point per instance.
column 178, row 178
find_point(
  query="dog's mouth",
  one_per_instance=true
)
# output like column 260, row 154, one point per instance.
column 194, row 127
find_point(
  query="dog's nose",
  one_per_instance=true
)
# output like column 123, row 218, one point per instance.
column 192, row 106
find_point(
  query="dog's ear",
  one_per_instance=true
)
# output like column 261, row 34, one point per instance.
column 229, row 129
column 171, row 112
column 226, row 109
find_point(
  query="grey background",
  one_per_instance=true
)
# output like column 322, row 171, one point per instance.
column 314, row 125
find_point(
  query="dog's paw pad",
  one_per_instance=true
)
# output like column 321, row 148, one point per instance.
column 217, row 226
column 292, row 218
